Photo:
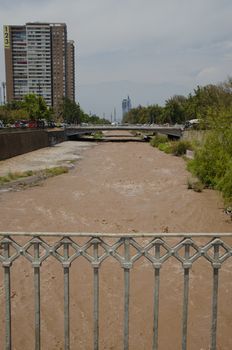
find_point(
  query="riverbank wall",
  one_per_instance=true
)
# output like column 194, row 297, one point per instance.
column 19, row 142
column 195, row 135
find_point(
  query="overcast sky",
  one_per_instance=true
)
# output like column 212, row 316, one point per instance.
column 149, row 49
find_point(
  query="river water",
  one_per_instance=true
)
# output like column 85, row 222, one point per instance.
column 121, row 188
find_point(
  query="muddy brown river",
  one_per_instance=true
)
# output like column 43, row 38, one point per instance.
column 121, row 188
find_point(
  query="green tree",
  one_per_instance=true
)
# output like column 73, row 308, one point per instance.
column 155, row 113
column 216, row 97
column 144, row 115
column 70, row 111
column 36, row 107
column 174, row 110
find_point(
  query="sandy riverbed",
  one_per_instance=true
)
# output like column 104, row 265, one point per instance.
column 117, row 187
column 64, row 153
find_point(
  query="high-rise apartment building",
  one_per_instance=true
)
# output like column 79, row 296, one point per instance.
column 126, row 105
column 39, row 60
column 71, row 70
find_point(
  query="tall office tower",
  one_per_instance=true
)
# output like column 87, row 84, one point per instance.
column 37, row 61
column 126, row 105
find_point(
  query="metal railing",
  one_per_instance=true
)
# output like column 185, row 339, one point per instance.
column 126, row 250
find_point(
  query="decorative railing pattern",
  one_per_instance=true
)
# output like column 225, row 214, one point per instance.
column 126, row 250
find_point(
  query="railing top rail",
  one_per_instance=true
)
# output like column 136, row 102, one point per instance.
column 116, row 235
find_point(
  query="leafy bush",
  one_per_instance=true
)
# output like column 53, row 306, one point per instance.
column 165, row 147
column 158, row 139
column 195, row 185
column 179, row 148
column 213, row 162
column 98, row 135
column 225, row 184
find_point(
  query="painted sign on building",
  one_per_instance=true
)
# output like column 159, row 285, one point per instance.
column 6, row 31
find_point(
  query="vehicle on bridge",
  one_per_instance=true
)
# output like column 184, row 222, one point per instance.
column 192, row 124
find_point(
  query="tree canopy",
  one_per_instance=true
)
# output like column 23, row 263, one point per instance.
column 200, row 104
column 71, row 112
column 32, row 107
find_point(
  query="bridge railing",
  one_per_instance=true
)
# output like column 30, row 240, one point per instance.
column 126, row 250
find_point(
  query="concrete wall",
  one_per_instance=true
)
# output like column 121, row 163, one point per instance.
column 20, row 142
column 55, row 137
column 197, row 135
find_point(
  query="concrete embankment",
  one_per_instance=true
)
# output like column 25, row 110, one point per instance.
column 20, row 142
column 196, row 135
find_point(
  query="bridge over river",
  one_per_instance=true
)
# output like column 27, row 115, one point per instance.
column 172, row 131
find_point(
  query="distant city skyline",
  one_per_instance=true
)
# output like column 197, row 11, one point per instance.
column 126, row 105
column 149, row 49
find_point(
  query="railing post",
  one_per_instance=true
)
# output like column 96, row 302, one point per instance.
column 36, row 266
column 156, row 251
column 66, row 266
column 95, row 265
column 216, row 266
column 186, row 266
column 7, row 283
column 126, row 266
column 157, row 267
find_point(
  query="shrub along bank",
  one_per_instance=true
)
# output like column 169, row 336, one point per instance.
column 212, row 163
column 178, row 148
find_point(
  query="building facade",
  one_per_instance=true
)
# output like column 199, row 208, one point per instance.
column 71, row 70
column 126, row 105
column 37, row 60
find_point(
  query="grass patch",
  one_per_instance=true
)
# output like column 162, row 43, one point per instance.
column 55, row 171
column 158, row 139
column 165, row 147
column 98, row 135
column 11, row 176
column 178, row 148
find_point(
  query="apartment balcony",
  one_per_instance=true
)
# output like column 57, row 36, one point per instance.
column 110, row 291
